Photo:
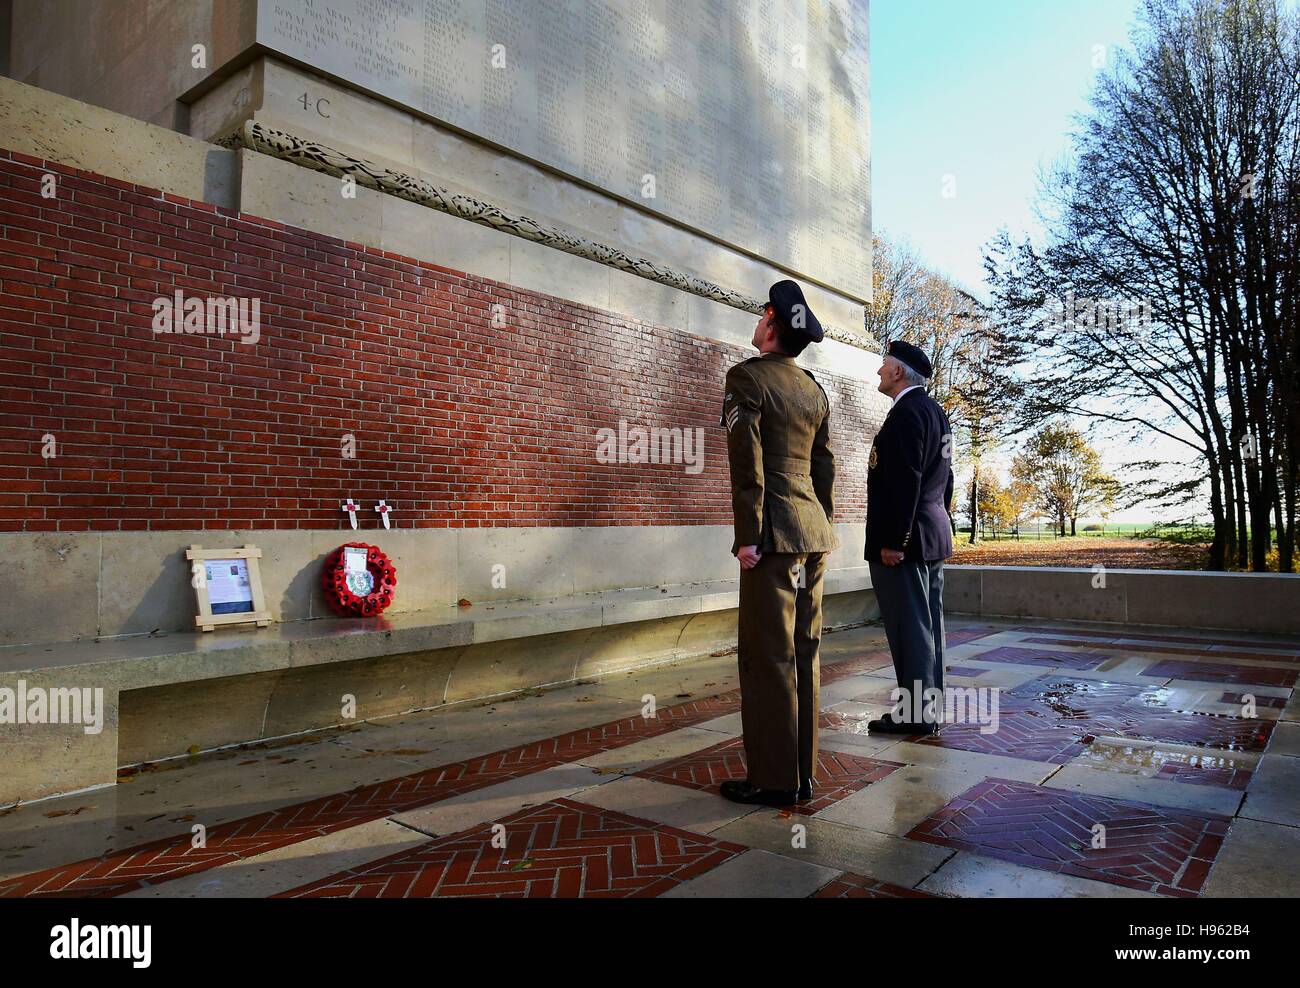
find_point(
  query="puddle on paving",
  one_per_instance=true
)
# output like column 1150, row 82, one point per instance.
column 1149, row 760
column 1059, row 696
column 838, row 722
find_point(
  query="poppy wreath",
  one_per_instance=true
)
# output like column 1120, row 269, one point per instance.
column 343, row 598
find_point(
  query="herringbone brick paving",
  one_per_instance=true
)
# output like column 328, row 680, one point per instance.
column 1048, row 719
column 1142, row 847
column 559, row 849
column 851, row 886
column 838, row 774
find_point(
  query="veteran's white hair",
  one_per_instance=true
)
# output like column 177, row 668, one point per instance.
column 912, row 376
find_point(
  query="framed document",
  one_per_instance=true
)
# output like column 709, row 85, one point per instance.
column 228, row 585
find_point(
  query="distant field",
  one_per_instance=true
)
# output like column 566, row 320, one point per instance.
column 1032, row 533
column 1110, row 550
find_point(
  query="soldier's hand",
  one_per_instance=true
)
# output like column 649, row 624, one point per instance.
column 891, row 557
column 748, row 556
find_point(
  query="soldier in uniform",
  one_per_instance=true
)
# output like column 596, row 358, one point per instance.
column 782, row 475
column 909, row 535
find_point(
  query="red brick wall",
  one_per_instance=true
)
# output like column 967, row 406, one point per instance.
column 464, row 424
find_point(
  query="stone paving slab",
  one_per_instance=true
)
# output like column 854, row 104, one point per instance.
column 689, row 809
column 756, row 875
column 835, row 845
column 1273, row 795
column 897, row 804
column 291, row 866
column 974, row 876
column 1248, row 863
column 448, row 816
column 1100, row 782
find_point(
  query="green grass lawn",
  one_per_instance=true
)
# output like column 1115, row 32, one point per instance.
column 1031, row 533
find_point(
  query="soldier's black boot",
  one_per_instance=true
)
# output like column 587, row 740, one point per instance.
column 887, row 725
column 740, row 791
column 805, row 791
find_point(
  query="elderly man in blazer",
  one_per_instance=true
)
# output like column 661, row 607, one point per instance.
column 909, row 535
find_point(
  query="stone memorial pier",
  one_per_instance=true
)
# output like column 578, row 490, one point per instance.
column 478, row 238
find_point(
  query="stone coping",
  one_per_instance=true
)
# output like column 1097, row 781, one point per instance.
column 1259, row 603
column 1195, row 573
column 140, row 661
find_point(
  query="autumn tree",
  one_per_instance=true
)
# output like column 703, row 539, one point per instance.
column 1065, row 475
column 970, row 354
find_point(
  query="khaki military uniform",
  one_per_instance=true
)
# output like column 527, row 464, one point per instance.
column 782, row 476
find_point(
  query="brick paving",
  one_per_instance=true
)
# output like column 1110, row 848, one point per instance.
column 560, row 850
column 1125, row 843
column 563, row 847
column 838, row 774
column 851, row 886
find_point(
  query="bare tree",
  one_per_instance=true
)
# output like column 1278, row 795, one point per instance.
column 1165, row 301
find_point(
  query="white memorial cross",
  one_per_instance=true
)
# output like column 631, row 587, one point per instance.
column 351, row 508
column 383, row 510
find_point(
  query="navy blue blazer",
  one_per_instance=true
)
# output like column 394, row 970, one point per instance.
column 909, row 481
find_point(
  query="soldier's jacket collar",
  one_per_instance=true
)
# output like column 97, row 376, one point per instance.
column 775, row 356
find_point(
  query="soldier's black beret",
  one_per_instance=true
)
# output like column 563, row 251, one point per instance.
column 787, row 299
column 912, row 356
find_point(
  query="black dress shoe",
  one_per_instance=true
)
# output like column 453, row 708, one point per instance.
column 740, row 791
column 805, row 791
column 886, row 725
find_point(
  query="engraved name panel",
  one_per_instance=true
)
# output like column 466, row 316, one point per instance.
column 745, row 119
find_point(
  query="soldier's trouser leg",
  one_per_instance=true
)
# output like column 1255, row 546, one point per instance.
column 911, row 606
column 769, row 710
column 807, row 648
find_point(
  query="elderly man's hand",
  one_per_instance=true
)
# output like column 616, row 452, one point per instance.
column 891, row 557
column 748, row 556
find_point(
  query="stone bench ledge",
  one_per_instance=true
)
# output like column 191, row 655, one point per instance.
column 157, row 660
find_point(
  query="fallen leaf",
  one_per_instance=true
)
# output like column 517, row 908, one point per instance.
column 522, row 864
column 464, row 602
column 79, row 809
column 193, row 749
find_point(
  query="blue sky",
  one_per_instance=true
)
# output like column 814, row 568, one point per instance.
column 984, row 91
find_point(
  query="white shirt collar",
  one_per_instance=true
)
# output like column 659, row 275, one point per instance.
column 900, row 394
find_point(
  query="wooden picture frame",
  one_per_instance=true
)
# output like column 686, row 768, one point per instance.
column 205, row 620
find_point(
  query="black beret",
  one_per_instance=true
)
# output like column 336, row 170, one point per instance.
column 912, row 356
column 788, row 301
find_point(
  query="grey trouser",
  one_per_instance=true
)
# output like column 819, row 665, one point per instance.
column 911, row 606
